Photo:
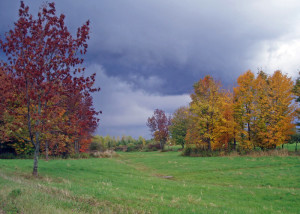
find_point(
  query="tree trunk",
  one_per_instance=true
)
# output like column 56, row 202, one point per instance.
column 249, row 130
column 209, row 144
column 234, row 143
column 36, row 159
column 76, row 146
column 47, row 150
column 37, row 143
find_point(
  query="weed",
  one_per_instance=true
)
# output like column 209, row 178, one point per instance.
column 15, row 193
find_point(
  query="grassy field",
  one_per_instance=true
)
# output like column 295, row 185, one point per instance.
column 152, row 182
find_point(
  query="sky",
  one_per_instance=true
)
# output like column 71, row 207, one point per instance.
column 148, row 54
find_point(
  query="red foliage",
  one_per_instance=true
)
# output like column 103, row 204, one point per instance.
column 43, row 64
column 159, row 125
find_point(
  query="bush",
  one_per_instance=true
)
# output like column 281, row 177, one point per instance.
column 8, row 156
column 131, row 147
column 14, row 156
column 95, row 146
column 200, row 152
column 85, row 155
column 187, row 151
column 121, row 148
column 153, row 147
column 73, row 156
column 79, row 156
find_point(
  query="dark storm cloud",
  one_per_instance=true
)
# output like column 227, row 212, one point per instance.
column 181, row 41
column 177, row 41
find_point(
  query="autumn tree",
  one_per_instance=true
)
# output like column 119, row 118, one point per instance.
column 81, row 120
column 159, row 126
column 282, row 110
column 261, row 112
column 4, row 85
column 226, row 126
column 244, row 99
column 43, row 61
column 266, row 109
column 205, row 111
column 179, row 125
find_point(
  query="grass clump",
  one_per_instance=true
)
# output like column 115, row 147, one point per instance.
column 105, row 154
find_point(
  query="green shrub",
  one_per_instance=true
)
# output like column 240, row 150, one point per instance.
column 8, row 156
column 74, row 156
column 79, row 156
column 121, row 148
column 187, row 151
column 25, row 156
column 96, row 146
column 84, row 155
column 133, row 147
column 200, row 152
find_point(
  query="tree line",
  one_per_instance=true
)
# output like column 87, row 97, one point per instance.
column 125, row 144
column 260, row 112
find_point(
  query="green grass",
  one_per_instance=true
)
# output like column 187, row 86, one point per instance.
column 292, row 147
column 135, row 183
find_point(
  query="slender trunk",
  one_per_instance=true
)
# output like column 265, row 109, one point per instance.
column 249, row 130
column 76, row 145
column 209, row 145
column 208, row 138
column 36, row 159
column 47, row 150
column 37, row 142
column 234, row 143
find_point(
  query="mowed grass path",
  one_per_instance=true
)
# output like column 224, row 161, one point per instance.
column 137, row 183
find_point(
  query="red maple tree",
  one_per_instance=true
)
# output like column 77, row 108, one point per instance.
column 159, row 126
column 43, row 61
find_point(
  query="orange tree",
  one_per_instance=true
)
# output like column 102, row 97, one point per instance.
column 206, row 114
column 244, row 107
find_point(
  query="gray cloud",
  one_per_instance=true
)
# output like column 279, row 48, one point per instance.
column 181, row 41
column 126, row 108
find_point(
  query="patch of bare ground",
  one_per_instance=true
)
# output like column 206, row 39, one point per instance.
column 164, row 176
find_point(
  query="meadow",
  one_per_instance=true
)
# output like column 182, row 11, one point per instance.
column 152, row 182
